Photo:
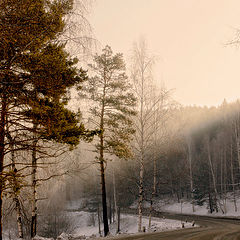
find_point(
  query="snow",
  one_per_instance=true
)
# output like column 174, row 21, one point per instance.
column 84, row 225
column 185, row 207
column 129, row 224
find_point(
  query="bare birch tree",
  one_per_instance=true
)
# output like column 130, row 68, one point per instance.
column 151, row 107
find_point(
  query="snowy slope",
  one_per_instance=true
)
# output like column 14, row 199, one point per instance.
column 85, row 224
column 185, row 207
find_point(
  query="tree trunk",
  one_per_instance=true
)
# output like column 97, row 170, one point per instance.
column 101, row 161
column 232, row 177
column 142, row 150
column 150, row 214
column 99, row 222
column 104, row 200
column 213, row 177
column 15, row 188
column 154, row 177
column 34, row 185
column 15, row 192
column 118, row 221
column 2, row 145
column 210, row 202
column 140, row 196
column 115, row 198
column 190, row 171
column 225, row 179
column 19, row 217
column 113, row 213
column 152, row 195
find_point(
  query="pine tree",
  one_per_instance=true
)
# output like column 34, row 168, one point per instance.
column 34, row 69
column 112, row 108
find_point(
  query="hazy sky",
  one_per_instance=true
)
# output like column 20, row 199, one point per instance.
column 188, row 36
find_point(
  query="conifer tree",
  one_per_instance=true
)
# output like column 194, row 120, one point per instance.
column 112, row 109
column 34, row 69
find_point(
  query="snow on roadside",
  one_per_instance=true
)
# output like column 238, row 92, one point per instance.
column 85, row 224
column 186, row 208
column 129, row 224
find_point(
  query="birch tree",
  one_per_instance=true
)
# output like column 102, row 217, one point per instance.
column 150, row 110
column 190, row 161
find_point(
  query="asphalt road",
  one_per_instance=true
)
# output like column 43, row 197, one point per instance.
column 210, row 228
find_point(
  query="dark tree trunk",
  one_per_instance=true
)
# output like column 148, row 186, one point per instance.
column 210, row 202
column 99, row 221
column 101, row 161
column 2, row 138
column 104, row 200
column 34, row 185
column 118, row 222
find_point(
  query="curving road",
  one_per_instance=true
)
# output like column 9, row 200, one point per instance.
column 210, row 229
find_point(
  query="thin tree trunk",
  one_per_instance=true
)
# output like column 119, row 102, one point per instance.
column 213, row 176
column 115, row 197
column 153, row 192
column 34, row 186
column 150, row 214
column 140, row 196
column 172, row 188
column 190, row 171
column 210, row 202
column 113, row 212
column 118, row 221
column 141, row 172
column 154, row 173
column 99, row 222
column 232, row 177
column 2, row 145
column 15, row 188
column 221, row 175
column 19, row 217
column 225, row 179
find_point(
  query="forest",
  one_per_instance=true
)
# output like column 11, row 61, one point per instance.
column 79, row 124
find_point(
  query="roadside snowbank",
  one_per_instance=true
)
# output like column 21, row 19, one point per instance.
column 85, row 225
column 185, row 207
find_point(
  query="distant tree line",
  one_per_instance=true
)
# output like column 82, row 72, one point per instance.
column 198, row 159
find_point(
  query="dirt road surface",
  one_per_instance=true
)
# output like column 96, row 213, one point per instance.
column 210, row 229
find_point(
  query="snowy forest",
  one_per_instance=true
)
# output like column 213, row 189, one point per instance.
column 85, row 128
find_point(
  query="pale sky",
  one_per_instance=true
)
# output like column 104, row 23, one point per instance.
column 188, row 36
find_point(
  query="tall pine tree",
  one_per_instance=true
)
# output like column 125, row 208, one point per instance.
column 112, row 108
column 34, row 69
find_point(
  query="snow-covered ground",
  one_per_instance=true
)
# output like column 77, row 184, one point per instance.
column 185, row 207
column 85, row 224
